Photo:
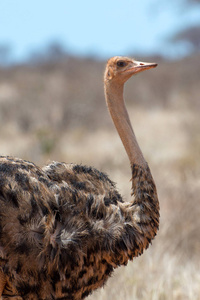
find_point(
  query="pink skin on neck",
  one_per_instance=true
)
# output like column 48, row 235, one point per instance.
column 120, row 117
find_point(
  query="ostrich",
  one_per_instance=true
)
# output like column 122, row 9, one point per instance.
column 64, row 228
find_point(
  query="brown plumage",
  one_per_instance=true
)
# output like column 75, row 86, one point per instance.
column 64, row 228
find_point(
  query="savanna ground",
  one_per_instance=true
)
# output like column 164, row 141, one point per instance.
column 56, row 111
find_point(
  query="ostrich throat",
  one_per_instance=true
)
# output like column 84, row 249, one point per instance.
column 117, row 108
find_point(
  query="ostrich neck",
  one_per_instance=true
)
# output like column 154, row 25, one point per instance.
column 120, row 117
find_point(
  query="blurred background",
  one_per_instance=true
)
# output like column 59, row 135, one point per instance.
column 52, row 57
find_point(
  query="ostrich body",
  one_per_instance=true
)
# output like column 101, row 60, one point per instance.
column 64, row 228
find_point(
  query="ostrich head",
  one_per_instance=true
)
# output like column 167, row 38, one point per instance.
column 120, row 69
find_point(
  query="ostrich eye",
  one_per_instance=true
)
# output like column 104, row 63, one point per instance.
column 121, row 63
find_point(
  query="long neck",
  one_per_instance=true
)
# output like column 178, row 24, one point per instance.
column 120, row 117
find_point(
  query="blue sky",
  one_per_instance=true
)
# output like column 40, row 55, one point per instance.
column 102, row 28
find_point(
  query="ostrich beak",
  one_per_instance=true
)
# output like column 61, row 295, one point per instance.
column 139, row 66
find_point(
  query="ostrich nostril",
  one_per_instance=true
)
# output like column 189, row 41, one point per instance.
column 141, row 64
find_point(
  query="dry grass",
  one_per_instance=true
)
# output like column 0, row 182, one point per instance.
column 57, row 112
